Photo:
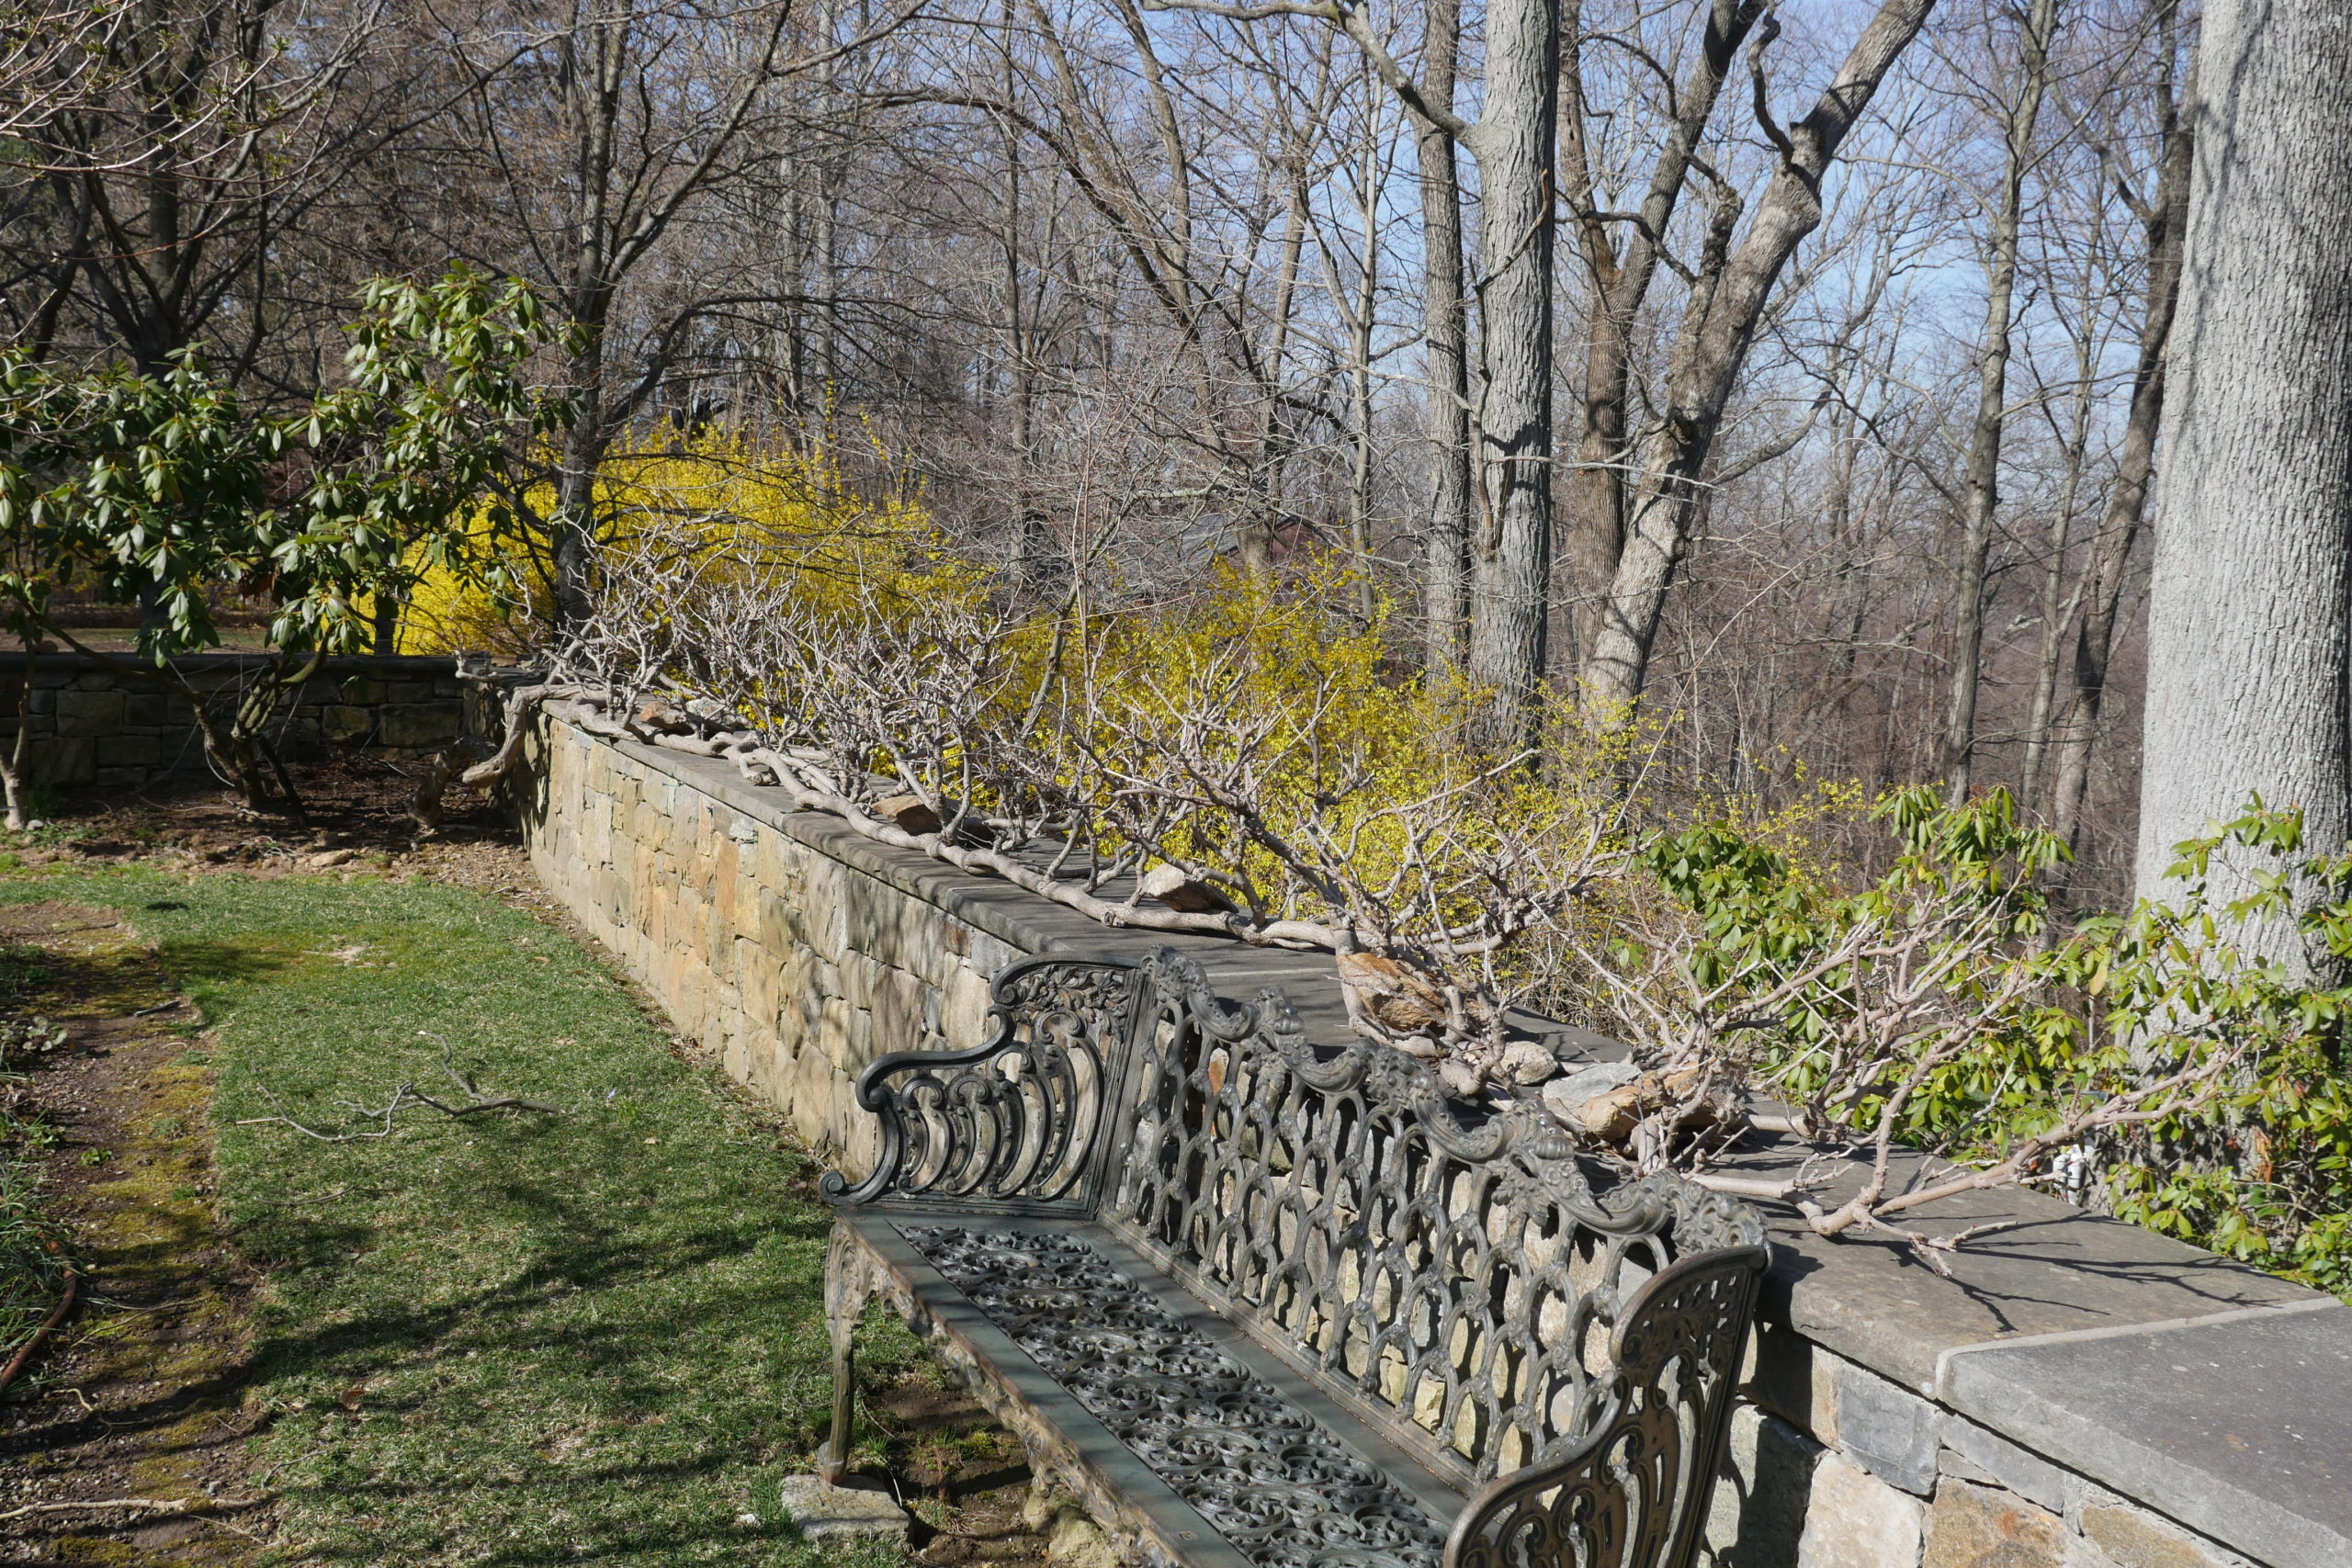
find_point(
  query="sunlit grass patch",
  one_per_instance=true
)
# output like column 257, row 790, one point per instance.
column 519, row 1338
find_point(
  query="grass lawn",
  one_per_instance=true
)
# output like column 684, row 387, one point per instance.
column 515, row 1339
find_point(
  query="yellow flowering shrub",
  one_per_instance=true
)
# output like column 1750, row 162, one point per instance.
column 1271, row 728
column 698, row 504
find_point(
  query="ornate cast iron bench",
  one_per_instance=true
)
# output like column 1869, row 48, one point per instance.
column 1263, row 1306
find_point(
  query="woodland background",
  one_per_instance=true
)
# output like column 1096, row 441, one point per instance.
column 1114, row 293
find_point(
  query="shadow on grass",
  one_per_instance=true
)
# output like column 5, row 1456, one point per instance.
column 222, row 963
column 519, row 1343
column 590, row 1330
column 555, row 1276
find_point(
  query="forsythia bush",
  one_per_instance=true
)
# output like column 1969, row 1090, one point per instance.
column 693, row 500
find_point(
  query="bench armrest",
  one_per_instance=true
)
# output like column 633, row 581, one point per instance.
column 1015, row 1121
column 1634, row 1493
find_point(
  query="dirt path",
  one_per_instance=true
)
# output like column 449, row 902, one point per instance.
column 140, row 1396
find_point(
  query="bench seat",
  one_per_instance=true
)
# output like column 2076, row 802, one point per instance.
column 1260, row 1304
column 1158, row 1409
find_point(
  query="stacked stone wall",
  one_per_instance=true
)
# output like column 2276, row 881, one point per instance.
column 795, row 968
column 2083, row 1394
column 94, row 725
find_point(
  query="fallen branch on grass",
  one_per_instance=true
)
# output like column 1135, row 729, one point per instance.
column 406, row 1095
column 153, row 1504
column 26, row 1352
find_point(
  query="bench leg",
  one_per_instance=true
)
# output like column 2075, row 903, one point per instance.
column 844, row 1303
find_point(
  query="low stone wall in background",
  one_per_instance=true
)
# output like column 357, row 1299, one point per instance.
column 94, row 725
column 2077, row 1394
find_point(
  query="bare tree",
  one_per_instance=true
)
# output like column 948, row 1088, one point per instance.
column 2162, row 212
column 1514, row 144
column 1727, row 302
column 1618, row 274
column 589, row 141
column 2014, row 114
column 168, row 152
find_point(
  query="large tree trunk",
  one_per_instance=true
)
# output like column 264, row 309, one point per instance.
column 2246, row 621
column 1712, row 346
column 588, row 296
column 1447, row 540
column 1983, row 488
column 573, row 527
column 1511, row 555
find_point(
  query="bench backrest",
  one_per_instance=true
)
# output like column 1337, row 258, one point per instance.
column 1446, row 1271
column 1016, row 1125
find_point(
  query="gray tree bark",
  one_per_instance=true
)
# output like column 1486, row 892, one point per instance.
column 1445, row 340
column 1712, row 345
column 1984, row 488
column 1511, row 546
column 2246, row 627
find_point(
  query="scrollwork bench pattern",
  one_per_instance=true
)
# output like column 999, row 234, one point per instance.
column 1444, row 1274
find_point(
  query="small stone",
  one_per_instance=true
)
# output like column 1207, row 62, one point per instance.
column 2136, row 1540
column 1757, row 1511
column 1980, row 1527
column 843, row 1513
column 1889, row 1431
column 1079, row 1542
column 908, row 812
column 1527, row 1062
column 332, row 858
column 1856, row 1520
column 1461, row 1078
column 1179, row 892
column 1591, row 1098
column 2001, row 1463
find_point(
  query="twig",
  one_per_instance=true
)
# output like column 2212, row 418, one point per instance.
column 157, row 1504
column 40, row 1335
column 407, row 1094
column 1747, row 1186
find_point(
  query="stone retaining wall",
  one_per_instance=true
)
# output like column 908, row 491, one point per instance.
column 2079, row 1393
column 96, row 725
